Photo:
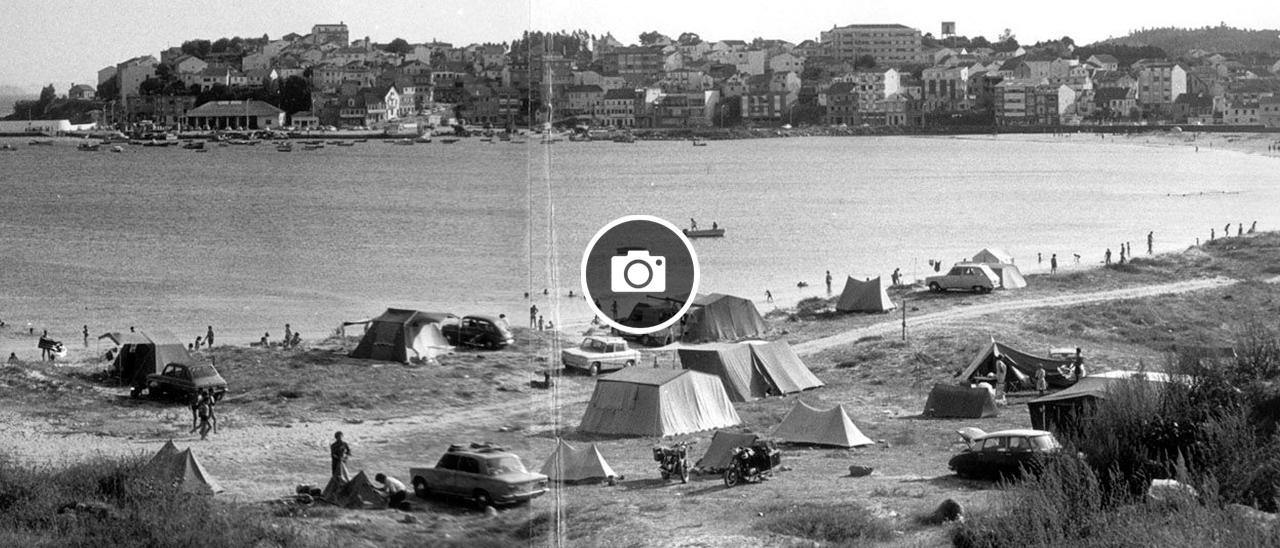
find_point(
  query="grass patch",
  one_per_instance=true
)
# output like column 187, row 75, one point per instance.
column 841, row 525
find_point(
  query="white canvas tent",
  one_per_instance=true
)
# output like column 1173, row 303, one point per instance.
column 657, row 402
column 402, row 335
column 751, row 370
column 993, row 255
column 569, row 464
column 1010, row 276
column 805, row 424
column 868, row 296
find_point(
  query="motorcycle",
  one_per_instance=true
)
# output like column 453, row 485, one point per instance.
column 673, row 460
column 752, row 463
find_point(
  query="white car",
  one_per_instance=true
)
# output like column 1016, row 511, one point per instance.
column 975, row 277
column 597, row 354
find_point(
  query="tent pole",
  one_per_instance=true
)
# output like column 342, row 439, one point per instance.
column 904, row 316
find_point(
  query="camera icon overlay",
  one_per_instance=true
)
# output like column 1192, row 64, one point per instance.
column 638, row 271
column 640, row 274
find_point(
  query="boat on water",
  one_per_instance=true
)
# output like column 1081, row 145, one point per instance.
column 194, row 145
column 424, row 138
column 449, row 140
column 40, row 142
column 703, row 232
column 88, row 147
column 284, row 147
column 312, row 147
column 402, row 142
column 699, row 142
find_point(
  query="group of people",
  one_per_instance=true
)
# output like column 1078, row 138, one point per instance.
column 203, row 417
column 292, row 339
column 1240, row 231
column 340, row 452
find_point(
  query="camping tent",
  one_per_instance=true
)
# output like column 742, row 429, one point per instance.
column 717, row 317
column 569, row 464
column 868, row 296
column 1010, row 276
column 181, row 470
column 1061, row 410
column 993, row 255
column 751, row 370
column 360, row 492
column 1021, row 367
column 805, row 424
column 657, row 402
column 401, row 335
column 721, row 450
column 966, row 402
column 143, row 353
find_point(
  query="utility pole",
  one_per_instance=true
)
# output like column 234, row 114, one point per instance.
column 904, row 317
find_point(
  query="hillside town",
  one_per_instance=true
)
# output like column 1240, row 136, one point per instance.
column 858, row 75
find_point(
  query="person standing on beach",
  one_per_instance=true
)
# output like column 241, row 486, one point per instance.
column 828, row 282
column 1106, row 257
column 1078, row 363
column 1121, row 254
column 1053, row 264
column 86, row 336
column 208, row 337
column 768, row 296
column 1239, row 232
column 896, row 276
column 1211, row 234
column 1252, row 227
column 1042, row 383
column 533, row 316
column 339, row 451
column 1150, row 240
column 541, row 323
column 1226, row 230
column 288, row 334
column 1039, row 259
column 693, row 225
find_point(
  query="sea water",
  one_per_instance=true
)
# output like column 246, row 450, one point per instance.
column 246, row 239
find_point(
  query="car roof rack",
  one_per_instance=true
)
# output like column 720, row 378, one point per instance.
column 484, row 447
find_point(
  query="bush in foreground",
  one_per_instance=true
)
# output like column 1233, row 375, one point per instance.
column 838, row 524
column 108, row 502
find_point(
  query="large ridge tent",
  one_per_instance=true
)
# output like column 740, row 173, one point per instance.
column 569, row 464
column 1062, row 410
column 993, row 255
column 1020, row 366
column 402, row 335
column 718, row 317
column 1010, row 276
column 146, row 352
column 180, row 470
column 751, row 370
column 657, row 402
column 868, row 296
column 965, row 402
column 721, row 450
column 806, row 424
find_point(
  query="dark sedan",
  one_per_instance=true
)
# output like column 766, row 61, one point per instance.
column 179, row 380
column 479, row 331
column 1005, row 454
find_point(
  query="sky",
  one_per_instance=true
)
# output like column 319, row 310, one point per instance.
column 64, row 42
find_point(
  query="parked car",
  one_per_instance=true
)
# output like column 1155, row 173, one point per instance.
column 597, row 354
column 1006, row 454
column 975, row 277
column 180, row 380
column 485, row 474
column 477, row 330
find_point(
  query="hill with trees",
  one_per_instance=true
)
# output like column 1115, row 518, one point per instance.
column 1219, row 39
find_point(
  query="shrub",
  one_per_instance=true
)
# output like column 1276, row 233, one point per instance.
column 840, row 524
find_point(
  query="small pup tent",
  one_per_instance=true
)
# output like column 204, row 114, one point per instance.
column 1021, row 368
column 180, row 470
column 657, row 402
column 717, row 317
column 401, row 335
column 805, row 424
column 360, row 492
column 868, row 296
column 993, row 255
column 145, row 352
column 964, row 402
column 1010, row 276
column 721, row 450
column 751, row 370
column 569, row 464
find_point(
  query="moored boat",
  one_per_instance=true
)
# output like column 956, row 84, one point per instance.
column 704, row 232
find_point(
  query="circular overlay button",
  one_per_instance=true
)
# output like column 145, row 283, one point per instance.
column 640, row 274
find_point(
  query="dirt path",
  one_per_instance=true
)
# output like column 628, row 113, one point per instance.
column 969, row 312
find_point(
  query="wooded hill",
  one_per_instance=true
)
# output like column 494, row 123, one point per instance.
column 1220, row 39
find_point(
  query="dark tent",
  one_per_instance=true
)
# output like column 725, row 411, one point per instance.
column 717, row 317
column 722, row 443
column 400, row 335
column 1021, row 368
column 751, row 370
column 360, row 492
column 1062, row 410
column 868, row 296
column 179, row 470
column 951, row 401
column 144, row 353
